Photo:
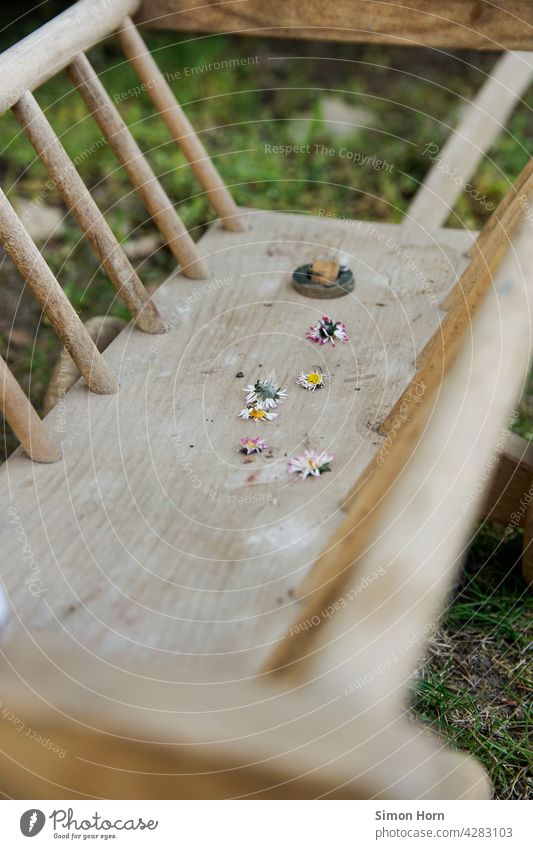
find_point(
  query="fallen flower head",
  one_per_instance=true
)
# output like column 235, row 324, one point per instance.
column 257, row 413
column 264, row 394
column 311, row 463
column 312, row 379
column 253, row 445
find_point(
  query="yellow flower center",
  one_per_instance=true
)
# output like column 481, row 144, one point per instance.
column 258, row 414
column 314, row 377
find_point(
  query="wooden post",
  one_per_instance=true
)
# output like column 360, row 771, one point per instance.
column 179, row 125
column 87, row 214
column 16, row 241
column 24, row 421
column 137, row 168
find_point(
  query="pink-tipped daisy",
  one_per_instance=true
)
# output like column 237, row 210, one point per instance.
column 264, row 394
column 311, row 463
column 327, row 330
column 312, row 380
column 253, row 445
column 257, row 413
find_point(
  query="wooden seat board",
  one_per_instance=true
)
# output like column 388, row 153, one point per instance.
column 153, row 534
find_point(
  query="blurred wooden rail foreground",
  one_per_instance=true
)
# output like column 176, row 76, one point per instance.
column 159, row 560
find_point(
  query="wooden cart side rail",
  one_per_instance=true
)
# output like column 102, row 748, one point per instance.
column 468, row 292
column 367, row 502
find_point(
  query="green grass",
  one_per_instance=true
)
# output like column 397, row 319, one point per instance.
column 474, row 687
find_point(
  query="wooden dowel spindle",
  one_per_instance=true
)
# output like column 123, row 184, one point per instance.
column 16, row 241
column 87, row 214
column 24, row 421
column 179, row 125
column 137, row 168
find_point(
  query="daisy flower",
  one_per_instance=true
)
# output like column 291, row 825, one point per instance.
column 312, row 379
column 311, row 463
column 253, row 446
column 264, row 394
column 327, row 330
column 257, row 413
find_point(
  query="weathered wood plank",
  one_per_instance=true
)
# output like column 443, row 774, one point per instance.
column 451, row 23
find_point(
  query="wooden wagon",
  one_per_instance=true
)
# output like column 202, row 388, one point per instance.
column 181, row 623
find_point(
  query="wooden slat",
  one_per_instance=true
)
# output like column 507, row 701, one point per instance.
column 16, row 241
column 48, row 50
column 85, row 211
column 450, row 23
column 483, row 121
column 137, row 168
column 179, row 125
column 25, row 424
